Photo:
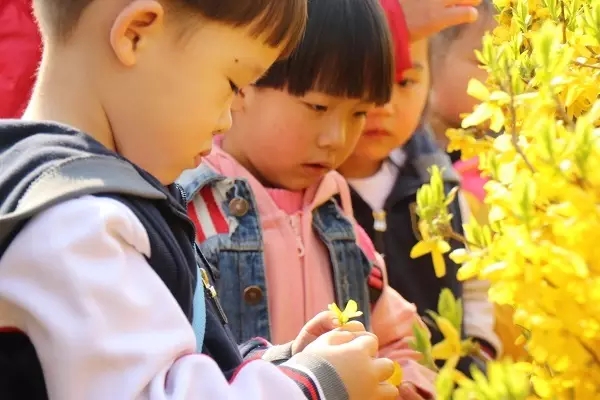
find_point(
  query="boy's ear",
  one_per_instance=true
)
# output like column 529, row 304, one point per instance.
column 134, row 28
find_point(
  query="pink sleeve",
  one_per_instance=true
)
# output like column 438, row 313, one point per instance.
column 472, row 181
column 392, row 319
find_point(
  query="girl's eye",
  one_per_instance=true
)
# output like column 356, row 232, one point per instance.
column 234, row 88
column 406, row 82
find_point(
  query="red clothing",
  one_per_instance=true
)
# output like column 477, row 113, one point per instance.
column 400, row 35
column 20, row 53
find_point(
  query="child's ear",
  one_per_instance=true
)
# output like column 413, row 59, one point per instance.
column 134, row 28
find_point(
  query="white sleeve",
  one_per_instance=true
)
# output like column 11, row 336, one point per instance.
column 103, row 324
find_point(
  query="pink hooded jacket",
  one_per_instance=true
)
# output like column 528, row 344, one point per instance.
column 305, row 284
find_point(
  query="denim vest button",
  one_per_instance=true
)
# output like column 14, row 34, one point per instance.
column 253, row 295
column 238, row 207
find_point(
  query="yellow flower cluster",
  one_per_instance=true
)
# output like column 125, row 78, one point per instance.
column 541, row 249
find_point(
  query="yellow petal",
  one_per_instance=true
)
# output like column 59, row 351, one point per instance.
column 443, row 350
column 482, row 113
column 422, row 248
column 442, row 246
column 460, row 256
column 478, row 90
column 351, row 307
column 449, row 331
column 334, row 309
column 396, row 378
column 459, row 377
column 338, row 313
column 439, row 264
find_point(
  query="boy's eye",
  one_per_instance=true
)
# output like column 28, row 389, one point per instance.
column 360, row 114
column 317, row 107
column 234, row 88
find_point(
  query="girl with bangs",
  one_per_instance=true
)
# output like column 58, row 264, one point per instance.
column 263, row 202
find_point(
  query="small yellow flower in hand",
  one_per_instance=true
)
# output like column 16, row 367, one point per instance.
column 396, row 378
column 351, row 311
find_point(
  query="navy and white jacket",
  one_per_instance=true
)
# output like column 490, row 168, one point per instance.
column 98, row 294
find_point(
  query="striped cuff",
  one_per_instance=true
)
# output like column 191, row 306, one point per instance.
column 279, row 353
column 316, row 377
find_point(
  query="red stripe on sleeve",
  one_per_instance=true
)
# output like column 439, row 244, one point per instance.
column 193, row 214
column 216, row 215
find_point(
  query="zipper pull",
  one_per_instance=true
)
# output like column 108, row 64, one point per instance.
column 379, row 221
column 212, row 294
column 209, row 288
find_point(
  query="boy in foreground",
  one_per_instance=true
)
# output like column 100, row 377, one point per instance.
column 102, row 294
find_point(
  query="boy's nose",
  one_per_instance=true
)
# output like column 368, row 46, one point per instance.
column 224, row 123
column 334, row 137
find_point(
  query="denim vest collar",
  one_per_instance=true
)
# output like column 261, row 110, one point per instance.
column 238, row 257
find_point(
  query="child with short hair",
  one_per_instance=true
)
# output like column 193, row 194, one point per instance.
column 102, row 294
column 263, row 200
column 455, row 64
column 389, row 164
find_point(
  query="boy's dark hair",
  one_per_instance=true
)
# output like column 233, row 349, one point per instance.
column 346, row 51
column 281, row 21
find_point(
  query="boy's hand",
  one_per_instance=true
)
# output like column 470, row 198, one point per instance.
column 322, row 323
column 319, row 325
column 353, row 356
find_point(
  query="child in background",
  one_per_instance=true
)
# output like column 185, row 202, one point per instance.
column 263, row 203
column 101, row 296
column 454, row 65
column 388, row 166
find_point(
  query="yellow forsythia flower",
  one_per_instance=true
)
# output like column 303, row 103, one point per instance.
column 351, row 311
column 396, row 378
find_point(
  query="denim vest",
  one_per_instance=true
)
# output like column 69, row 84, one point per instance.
column 238, row 261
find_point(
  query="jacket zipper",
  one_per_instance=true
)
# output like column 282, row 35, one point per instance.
column 209, row 290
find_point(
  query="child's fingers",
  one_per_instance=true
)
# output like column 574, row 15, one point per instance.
column 352, row 326
column 386, row 391
column 384, row 368
column 456, row 15
column 365, row 341
column 458, row 3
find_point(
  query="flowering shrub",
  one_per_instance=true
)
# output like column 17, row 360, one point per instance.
column 541, row 248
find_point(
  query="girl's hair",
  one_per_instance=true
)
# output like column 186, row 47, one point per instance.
column 346, row 52
column 278, row 21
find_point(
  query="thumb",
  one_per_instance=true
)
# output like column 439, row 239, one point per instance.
column 455, row 15
column 322, row 323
